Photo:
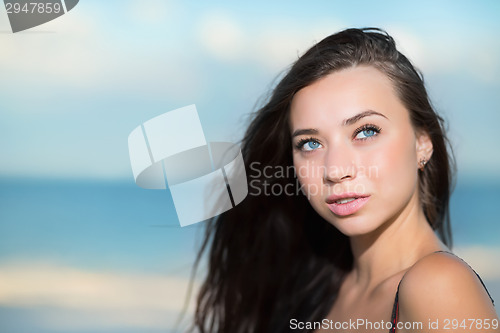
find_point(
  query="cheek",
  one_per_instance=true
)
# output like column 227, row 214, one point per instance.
column 396, row 166
column 310, row 176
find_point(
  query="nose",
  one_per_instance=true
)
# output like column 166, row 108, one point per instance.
column 339, row 165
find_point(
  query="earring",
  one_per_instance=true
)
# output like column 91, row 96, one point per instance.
column 421, row 163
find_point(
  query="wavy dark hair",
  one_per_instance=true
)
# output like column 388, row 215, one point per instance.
column 273, row 258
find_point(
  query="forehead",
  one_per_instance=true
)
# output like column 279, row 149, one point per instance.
column 342, row 94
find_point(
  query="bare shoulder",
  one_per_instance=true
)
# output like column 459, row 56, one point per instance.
column 442, row 286
column 444, row 274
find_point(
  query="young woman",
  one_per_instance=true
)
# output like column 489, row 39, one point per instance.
column 357, row 237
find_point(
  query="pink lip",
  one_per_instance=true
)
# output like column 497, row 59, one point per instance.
column 349, row 207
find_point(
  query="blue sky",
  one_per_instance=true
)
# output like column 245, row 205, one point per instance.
column 82, row 249
column 73, row 89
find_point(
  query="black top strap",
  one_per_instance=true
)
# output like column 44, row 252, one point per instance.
column 395, row 307
column 491, row 298
column 395, row 310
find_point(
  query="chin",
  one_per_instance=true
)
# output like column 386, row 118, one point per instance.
column 352, row 225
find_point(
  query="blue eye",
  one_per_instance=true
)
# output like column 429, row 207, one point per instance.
column 366, row 132
column 311, row 145
column 308, row 145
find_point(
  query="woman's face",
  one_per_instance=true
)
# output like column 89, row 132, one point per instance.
column 353, row 141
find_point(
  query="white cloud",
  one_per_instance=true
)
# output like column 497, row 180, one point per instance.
column 277, row 47
column 483, row 59
column 151, row 11
column 482, row 259
column 273, row 45
column 411, row 45
column 58, row 49
column 295, row 40
column 221, row 35
column 277, row 44
column 450, row 52
column 83, row 50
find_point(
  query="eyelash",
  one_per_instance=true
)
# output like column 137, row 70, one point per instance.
column 300, row 144
column 372, row 127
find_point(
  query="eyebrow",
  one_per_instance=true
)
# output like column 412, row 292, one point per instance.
column 346, row 122
column 360, row 115
column 305, row 131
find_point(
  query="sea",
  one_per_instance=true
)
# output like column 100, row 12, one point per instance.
column 115, row 226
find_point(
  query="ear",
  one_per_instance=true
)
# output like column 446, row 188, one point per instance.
column 423, row 145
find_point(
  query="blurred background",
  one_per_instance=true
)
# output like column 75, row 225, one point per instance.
column 82, row 248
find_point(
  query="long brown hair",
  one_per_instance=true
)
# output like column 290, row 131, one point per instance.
column 272, row 258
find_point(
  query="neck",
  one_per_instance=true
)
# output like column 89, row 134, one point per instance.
column 393, row 247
